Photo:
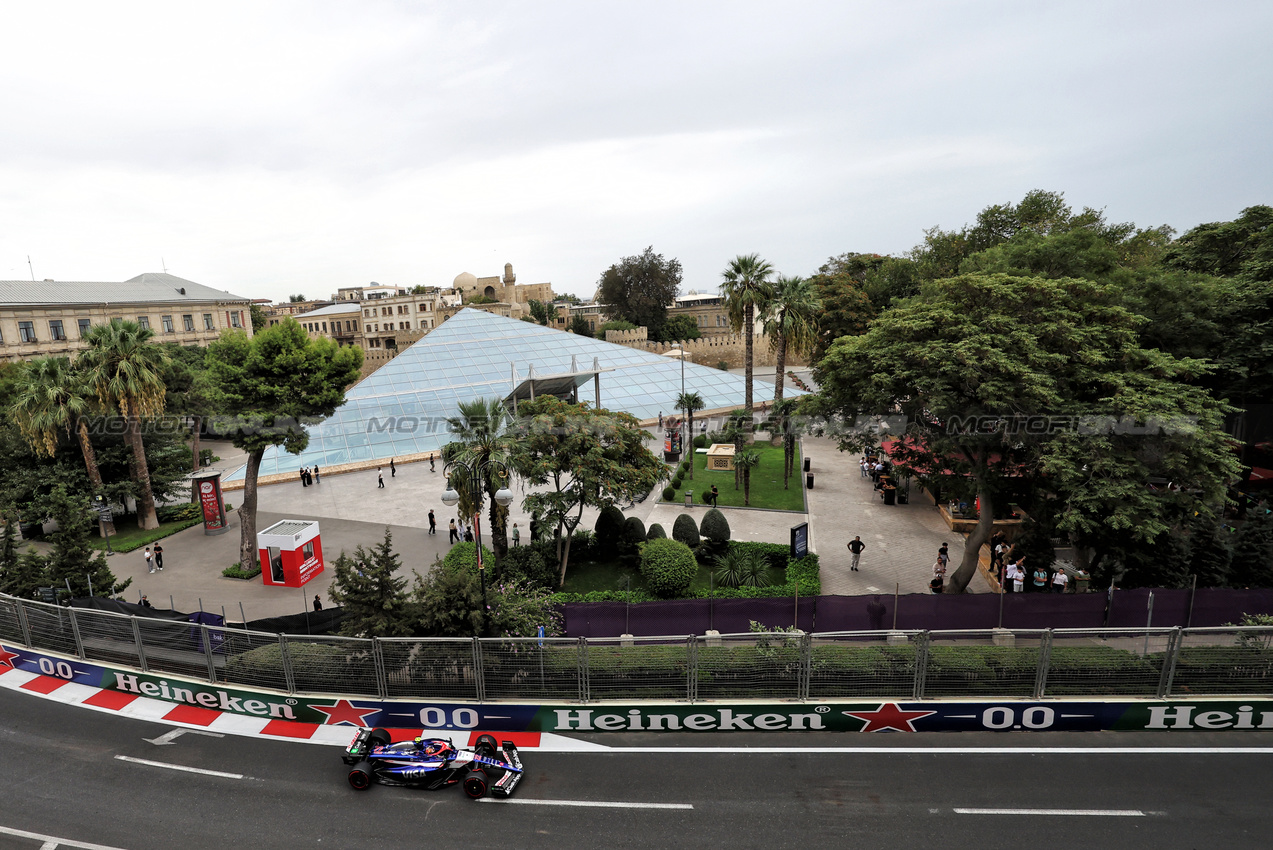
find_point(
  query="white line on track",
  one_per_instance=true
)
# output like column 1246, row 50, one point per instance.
column 53, row 841
column 181, row 767
column 1094, row 813
column 944, row 750
column 587, row 804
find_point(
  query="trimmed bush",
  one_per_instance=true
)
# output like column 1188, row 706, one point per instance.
column 631, row 538
column 685, row 467
column 527, row 562
column 655, row 532
column 715, row 528
column 174, row 513
column 685, row 530
column 700, row 442
column 463, row 558
column 677, row 481
column 608, row 526
column 669, row 494
column 668, row 567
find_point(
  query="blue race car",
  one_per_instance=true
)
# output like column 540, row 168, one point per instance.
column 433, row 763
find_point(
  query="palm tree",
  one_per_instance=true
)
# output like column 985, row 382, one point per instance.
column 690, row 402
column 747, row 461
column 792, row 323
column 746, row 289
column 55, row 398
column 482, row 432
column 126, row 371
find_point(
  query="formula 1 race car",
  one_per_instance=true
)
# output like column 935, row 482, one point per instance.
column 433, row 763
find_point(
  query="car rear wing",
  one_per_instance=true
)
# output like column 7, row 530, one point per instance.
column 503, row 787
column 358, row 747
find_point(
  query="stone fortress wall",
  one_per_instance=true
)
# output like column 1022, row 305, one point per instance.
column 707, row 351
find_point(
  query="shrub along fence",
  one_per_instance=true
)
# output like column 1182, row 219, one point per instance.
column 907, row 664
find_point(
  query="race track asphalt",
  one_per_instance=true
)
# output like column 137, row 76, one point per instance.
column 68, row 781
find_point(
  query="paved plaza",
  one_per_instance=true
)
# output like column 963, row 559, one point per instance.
column 901, row 540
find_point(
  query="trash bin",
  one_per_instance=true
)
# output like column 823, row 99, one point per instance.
column 689, row 498
column 890, row 495
column 806, row 465
column 808, row 480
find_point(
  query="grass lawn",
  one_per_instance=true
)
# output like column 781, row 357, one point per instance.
column 766, row 482
column 129, row 537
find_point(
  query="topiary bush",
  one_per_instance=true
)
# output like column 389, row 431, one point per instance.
column 700, row 442
column 669, row 494
column 630, row 539
column 608, row 526
column 655, row 532
column 685, row 530
column 685, row 467
column 463, row 558
column 668, row 567
column 715, row 528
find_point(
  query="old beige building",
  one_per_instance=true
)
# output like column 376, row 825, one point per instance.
column 50, row 317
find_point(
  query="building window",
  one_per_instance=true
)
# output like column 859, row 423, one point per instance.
column 167, row 320
column 55, row 329
column 207, row 322
column 187, row 322
column 368, row 329
column 324, row 327
column 85, row 324
column 1, row 337
column 143, row 322
column 26, row 331
column 234, row 320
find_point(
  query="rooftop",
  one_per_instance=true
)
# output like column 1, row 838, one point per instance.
column 149, row 288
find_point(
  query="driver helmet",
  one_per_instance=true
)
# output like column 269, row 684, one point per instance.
column 430, row 746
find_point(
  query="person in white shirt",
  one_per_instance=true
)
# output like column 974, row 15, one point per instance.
column 1059, row 581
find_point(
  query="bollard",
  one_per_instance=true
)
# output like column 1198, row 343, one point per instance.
column 808, row 481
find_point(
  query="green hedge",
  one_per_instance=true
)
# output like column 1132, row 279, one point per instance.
column 668, row 567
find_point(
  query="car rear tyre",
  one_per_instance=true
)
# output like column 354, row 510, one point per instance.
column 379, row 738
column 475, row 785
column 360, row 776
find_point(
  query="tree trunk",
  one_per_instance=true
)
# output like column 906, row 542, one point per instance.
column 747, row 487
column 499, row 528
column 780, row 362
column 194, row 442
column 94, row 474
column 972, row 547
column 147, row 519
column 688, row 448
column 247, row 512
column 748, row 327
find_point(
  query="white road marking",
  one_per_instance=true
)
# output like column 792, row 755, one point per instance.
column 587, row 804
column 1096, row 813
column 53, row 841
column 181, row 767
column 168, row 737
column 936, row 750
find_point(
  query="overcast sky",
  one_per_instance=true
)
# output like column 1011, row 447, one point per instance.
column 276, row 148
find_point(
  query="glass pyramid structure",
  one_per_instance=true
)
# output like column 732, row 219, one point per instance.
column 402, row 407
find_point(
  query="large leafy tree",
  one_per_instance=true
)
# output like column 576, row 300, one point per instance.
column 747, row 290
column 72, row 561
column 846, row 308
column 191, row 391
column 792, row 323
column 273, row 385
column 126, row 370
column 580, row 457
column 639, row 289
column 482, row 435
column 1003, row 377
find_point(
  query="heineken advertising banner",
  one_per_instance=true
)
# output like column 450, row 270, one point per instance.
column 859, row 715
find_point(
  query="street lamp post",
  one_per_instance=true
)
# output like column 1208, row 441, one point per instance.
column 503, row 498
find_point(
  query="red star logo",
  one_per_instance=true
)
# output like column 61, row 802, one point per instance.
column 889, row 716
column 6, row 657
column 345, row 711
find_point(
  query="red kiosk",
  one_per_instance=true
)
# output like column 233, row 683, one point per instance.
column 291, row 553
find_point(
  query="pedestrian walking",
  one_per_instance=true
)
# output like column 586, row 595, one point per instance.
column 318, row 603
column 660, row 419
column 714, row 495
column 150, row 560
column 145, row 603
column 455, row 535
column 1040, row 579
column 855, row 550
column 937, row 585
column 943, row 555
column 316, row 478
column 433, row 523
column 393, row 470
column 304, row 477
column 432, row 468
column 517, row 535
column 159, row 557
column 380, row 479
column 468, row 534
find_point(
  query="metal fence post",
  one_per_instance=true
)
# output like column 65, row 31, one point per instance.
column 691, row 668
column 921, row 663
column 479, row 674
column 75, row 630
column 378, row 661
column 206, row 634
column 289, row 676
column 1174, row 640
column 582, row 670
column 141, row 648
column 806, row 667
column 1045, row 663
column 26, row 626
